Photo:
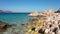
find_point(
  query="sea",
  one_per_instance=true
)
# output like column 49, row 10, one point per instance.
column 14, row 18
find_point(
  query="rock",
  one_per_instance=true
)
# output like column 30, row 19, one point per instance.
column 55, row 30
column 47, row 20
column 58, row 32
column 33, row 29
column 53, row 33
column 2, row 30
column 3, row 26
column 34, row 14
column 41, row 31
column 47, row 30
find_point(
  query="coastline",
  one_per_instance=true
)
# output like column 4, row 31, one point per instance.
column 39, row 23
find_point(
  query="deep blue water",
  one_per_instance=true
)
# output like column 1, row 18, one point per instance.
column 13, row 18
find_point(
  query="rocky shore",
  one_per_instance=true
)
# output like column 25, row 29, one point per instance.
column 46, row 22
column 3, row 27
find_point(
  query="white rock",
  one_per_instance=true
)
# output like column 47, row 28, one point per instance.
column 47, row 30
column 53, row 33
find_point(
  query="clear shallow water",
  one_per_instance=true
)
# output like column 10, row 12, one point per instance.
column 14, row 18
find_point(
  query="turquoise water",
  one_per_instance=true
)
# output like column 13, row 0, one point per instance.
column 14, row 18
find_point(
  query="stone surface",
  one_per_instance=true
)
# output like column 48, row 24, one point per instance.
column 3, row 26
column 47, row 21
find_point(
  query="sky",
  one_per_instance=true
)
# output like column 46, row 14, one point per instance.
column 29, row 5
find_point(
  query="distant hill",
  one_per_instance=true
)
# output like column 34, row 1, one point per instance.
column 1, row 11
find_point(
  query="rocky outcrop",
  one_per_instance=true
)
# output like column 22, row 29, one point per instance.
column 3, row 26
column 33, row 14
column 47, row 22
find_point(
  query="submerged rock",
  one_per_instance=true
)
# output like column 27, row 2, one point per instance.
column 3, row 26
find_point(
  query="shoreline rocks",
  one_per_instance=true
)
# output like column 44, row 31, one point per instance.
column 33, row 14
column 3, row 26
column 48, row 21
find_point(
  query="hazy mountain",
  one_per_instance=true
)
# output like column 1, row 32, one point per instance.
column 1, row 11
